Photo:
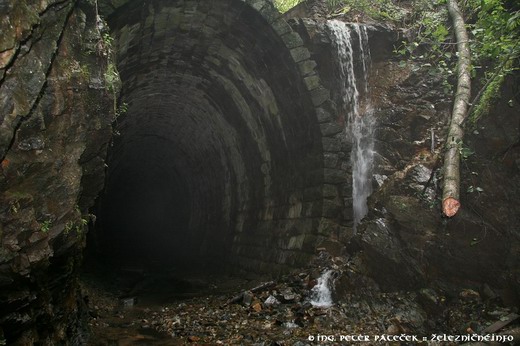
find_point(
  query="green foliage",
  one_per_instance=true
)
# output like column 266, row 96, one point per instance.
column 429, row 46
column 122, row 109
column 489, row 95
column 108, row 40
column 105, row 49
column 79, row 225
column 375, row 9
column 76, row 227
column 45, row 226
column 430, row 32
column 465, row 152
column 494, row 46
column 112, row 80
column 14, row 207
column 495, row 29
column 285, row 5
column 68, row 227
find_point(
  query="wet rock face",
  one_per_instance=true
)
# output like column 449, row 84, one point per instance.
column 404, row 242
column 405, row 236
column 55, row 124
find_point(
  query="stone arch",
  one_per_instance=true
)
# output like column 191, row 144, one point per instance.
column 221, row 152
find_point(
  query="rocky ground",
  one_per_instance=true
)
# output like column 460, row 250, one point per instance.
column 144, row 308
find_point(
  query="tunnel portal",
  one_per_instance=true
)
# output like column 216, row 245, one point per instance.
column 219, row 147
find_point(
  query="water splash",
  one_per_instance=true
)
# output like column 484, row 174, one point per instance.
column 321, row 295
column 360, row 121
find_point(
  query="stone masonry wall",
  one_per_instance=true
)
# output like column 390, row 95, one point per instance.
column 238, row 72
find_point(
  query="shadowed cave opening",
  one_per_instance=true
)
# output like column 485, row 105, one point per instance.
column 211, row 159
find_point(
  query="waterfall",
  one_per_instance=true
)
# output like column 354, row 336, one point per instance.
column 360, row 121
column 321, row 295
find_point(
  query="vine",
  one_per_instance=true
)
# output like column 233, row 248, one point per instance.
column 105, row 50
column 496, row 50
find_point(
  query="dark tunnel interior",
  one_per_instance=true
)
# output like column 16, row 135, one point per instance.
column 214, row 149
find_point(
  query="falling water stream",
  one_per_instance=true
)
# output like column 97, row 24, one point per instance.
column 351, row 43
column 321, row 295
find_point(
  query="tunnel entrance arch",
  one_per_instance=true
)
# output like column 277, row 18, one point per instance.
column 220, row 153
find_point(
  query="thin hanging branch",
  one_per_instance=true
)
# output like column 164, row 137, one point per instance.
column 498, row 71
column 451, row 183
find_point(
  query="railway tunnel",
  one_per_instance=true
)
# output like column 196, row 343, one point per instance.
column 219, row 156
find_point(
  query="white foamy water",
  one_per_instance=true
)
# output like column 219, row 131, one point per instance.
column 321, row 295
column 360, row 121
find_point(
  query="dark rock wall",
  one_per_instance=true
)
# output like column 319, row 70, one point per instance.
column 405, row 234
column 55, row 125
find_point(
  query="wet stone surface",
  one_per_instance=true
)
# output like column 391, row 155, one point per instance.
column 203, row 310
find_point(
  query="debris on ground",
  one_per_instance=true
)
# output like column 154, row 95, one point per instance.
column 281, row 313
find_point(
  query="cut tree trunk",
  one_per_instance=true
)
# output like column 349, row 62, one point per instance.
column 451, row 184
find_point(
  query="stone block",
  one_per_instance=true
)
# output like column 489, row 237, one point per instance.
column 330, row 160
column 332, row 246
column 312, row 209
column 330, row 129
column 331, row 144
column 292, row 40
column 256, row 4
column 281, row 27
column 323, row 115
column 294, row 211
column 300, row 53
column 346, row 189
column 319, row 96
column 312, row 82
column 304, row 225
column 348, row 211
column 334, row 176
column 327, row 227
column 332, row 208
column 296, row 242
column 307, row 67
column 310, row 26
column 311, row 242
column 269, row 13
column 330, row 191
column 312, row 193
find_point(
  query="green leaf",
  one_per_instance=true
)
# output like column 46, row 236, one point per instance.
column 466, row 152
